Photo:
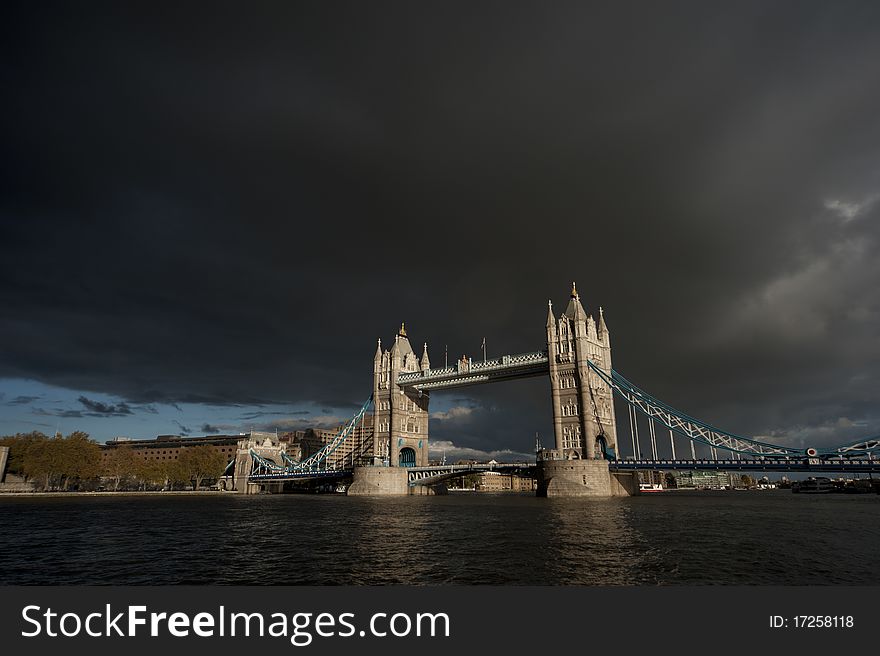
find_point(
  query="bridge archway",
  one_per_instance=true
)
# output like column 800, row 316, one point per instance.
column 407, row 457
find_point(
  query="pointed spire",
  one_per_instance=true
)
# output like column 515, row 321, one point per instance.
column 549, row 313
column 575, row 310
column 603, row 329
column 379, row 350
column 402, row 332
column 425, row 364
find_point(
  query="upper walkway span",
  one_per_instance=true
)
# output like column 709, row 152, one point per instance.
column 467, row 372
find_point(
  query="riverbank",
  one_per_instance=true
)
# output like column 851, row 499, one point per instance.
column 163, row 493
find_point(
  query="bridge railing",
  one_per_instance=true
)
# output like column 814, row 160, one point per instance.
column 495, row 364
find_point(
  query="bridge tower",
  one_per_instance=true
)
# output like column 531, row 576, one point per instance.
column 400, row 415
column 583, row 405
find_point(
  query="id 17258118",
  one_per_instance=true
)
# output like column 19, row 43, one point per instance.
column 812, row 622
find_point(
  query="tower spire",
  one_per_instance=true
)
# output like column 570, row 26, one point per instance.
column 603, row 329
column 549, row 313
column 402, row 332
column 574, row 291
column 425, row 363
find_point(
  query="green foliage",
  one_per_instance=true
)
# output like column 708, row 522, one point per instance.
column 121, row 464
column 198, row 463
column 75, row 462
column 54, row 462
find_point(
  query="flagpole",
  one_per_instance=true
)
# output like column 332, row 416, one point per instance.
column 484, row 349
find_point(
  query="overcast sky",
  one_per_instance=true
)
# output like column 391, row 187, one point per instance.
column 209, row 212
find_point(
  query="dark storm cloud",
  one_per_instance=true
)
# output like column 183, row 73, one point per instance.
column 21, row 400
column 67, row 414
column 208, row 428
column 230, row 212
column 184, row 430
column 99, row 409
column 278, row 413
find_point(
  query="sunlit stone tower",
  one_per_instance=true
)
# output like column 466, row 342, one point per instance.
column 400, row 417
column 583, row 405
column 584, row 426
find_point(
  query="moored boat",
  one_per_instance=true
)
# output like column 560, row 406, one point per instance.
column 813, row 485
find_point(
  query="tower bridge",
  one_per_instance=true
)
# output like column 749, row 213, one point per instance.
column 585, row 459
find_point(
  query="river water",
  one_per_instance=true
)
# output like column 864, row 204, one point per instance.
column 672, row 538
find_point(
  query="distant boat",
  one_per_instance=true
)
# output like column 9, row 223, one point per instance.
column 650, row 487
column 813, row 485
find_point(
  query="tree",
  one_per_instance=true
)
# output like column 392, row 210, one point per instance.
column 150, row 473
column 80, row 458
column 20, row 445
column 56, row 461
column 200, row 462
column 172, row 473
column 122, row 463
column 43, row 459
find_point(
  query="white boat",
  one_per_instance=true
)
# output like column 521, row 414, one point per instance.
column 650, row 487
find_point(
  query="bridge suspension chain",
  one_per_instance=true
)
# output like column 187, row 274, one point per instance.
column 313, row 462
column 693, row 429
column 699, row 431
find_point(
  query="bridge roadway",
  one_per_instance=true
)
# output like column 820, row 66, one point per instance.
column 417, row 475
column 751, row 464
column 437, row 473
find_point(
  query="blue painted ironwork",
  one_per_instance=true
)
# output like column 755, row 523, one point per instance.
column 316, row 462
column 868, row 445
column 864, row 466
column 607, row 452
column 690, row 427
column 699, row 431
column 407, row 457
column 438, row 473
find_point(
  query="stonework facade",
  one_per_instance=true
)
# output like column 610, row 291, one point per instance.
column 400, row 416
column 583, row 404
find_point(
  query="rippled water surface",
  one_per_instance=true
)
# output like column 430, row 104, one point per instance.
column 763, row 538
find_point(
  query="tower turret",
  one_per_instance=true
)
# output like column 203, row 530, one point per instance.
column 602, row 330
